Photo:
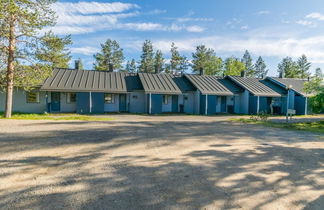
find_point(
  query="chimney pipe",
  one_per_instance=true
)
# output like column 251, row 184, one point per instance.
column 77, row 64
column 281, row 75
column 243, row 74
column 308, row 78
column 201, row 71
column 111, row 67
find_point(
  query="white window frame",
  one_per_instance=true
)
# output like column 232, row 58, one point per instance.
column 37, row 97
column 112, row 101
column 165, row 99
column 68, row 98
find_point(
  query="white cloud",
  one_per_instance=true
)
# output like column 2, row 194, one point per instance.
column 263, row 12
column 245, row 27
column 304, row 22
column 316, row 16
column 155, row 12
column 92, row 7
column 276, row 47
column 84, row 50
column 195, row 29
column 189, row 19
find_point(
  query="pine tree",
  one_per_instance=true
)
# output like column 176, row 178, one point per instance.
column 131, row 66
column 303, row 67
column 233, row 66
column 260, row 68
column 205, row 58
column 147, row 58
column 111, row 56
column 319, row 73
column 289, row 68
column 158, row 62
column 249, row 68
column 178, row 63
column 23, row 50
column 80, row 63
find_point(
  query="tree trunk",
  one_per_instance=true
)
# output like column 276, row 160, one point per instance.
column 10, row 68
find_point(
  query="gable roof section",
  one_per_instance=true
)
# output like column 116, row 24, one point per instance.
column 159, row 84
column 86, row 80
column 213, row 85
column 183, row 83
column 297, row 84
column 257, row 87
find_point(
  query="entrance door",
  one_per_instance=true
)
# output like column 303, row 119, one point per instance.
column 122, row 103
column 223, row 104
column 55, row 102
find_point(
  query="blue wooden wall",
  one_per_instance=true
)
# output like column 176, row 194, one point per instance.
column 211, row 100
column 156, row 101
column 83, row 103
column 300, row 105
column 175, row 103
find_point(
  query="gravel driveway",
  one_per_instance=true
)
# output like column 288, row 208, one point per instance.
column 180, row 162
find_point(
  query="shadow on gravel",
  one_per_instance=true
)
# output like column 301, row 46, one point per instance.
column 222, row 177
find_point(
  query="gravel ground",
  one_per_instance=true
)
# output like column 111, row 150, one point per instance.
column 141, row 162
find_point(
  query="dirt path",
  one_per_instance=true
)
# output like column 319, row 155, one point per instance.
column 202, row 163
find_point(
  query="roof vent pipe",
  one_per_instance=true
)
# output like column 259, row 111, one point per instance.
column 201, row 71
column 111, row 67
column 243, row 74
column 281, row 74
column 77, row 64
column 308, row 79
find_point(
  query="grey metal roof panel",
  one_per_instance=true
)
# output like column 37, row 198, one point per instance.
column 213, row 85
column 159, row 83
column 86, row 80
column 296, row 84
column 256, row 86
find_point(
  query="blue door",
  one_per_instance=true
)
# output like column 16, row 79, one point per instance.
column 55, row 102
column 122, row 103
column 223, row 104
column 174, row 103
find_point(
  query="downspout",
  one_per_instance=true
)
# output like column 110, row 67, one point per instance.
column 306, row 104
column 90, row 101
column 287, row 106
column 206, row 105
column 150, row 103
column 258, row 105
column 46, row 100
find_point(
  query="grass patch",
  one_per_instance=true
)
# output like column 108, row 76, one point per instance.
column 302, row 126
column 61, row 116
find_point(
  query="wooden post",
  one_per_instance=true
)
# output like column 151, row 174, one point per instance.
column 258, row 105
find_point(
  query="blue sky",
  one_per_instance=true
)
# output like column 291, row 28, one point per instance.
column 272, row 29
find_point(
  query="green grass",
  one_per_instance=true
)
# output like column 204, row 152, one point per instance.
column 302, row 126
column 62, row 116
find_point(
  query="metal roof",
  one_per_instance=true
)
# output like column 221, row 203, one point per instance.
column 159, row 84
column 257, row 87
column 213, row 85
column 88, row 80
column 296, row 84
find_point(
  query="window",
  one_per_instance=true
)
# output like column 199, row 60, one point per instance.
column 70, row 98
column 165, row 99
column 109, row 98
column 32, row 97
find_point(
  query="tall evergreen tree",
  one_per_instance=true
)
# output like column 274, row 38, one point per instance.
column 158, row 62
column 260, row 68
column 289, row 68
column 233, row 66
column 319, row 73
column 178, row 63
column 303, row 67
column 131, row 66
column 249, row 68
column 22, row 48
column 111, row 56
column 80, row 63
column 205, row 58
column 147, row 58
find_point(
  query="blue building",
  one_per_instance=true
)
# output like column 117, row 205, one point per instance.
column 83, row 91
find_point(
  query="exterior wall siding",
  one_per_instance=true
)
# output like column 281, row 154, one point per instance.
column 167, row 107
column 114, row 107
column 20, row 102
column 189, row 103
column 137, row 102
column 66, row 107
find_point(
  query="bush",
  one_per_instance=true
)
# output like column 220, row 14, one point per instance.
column 261, row 116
